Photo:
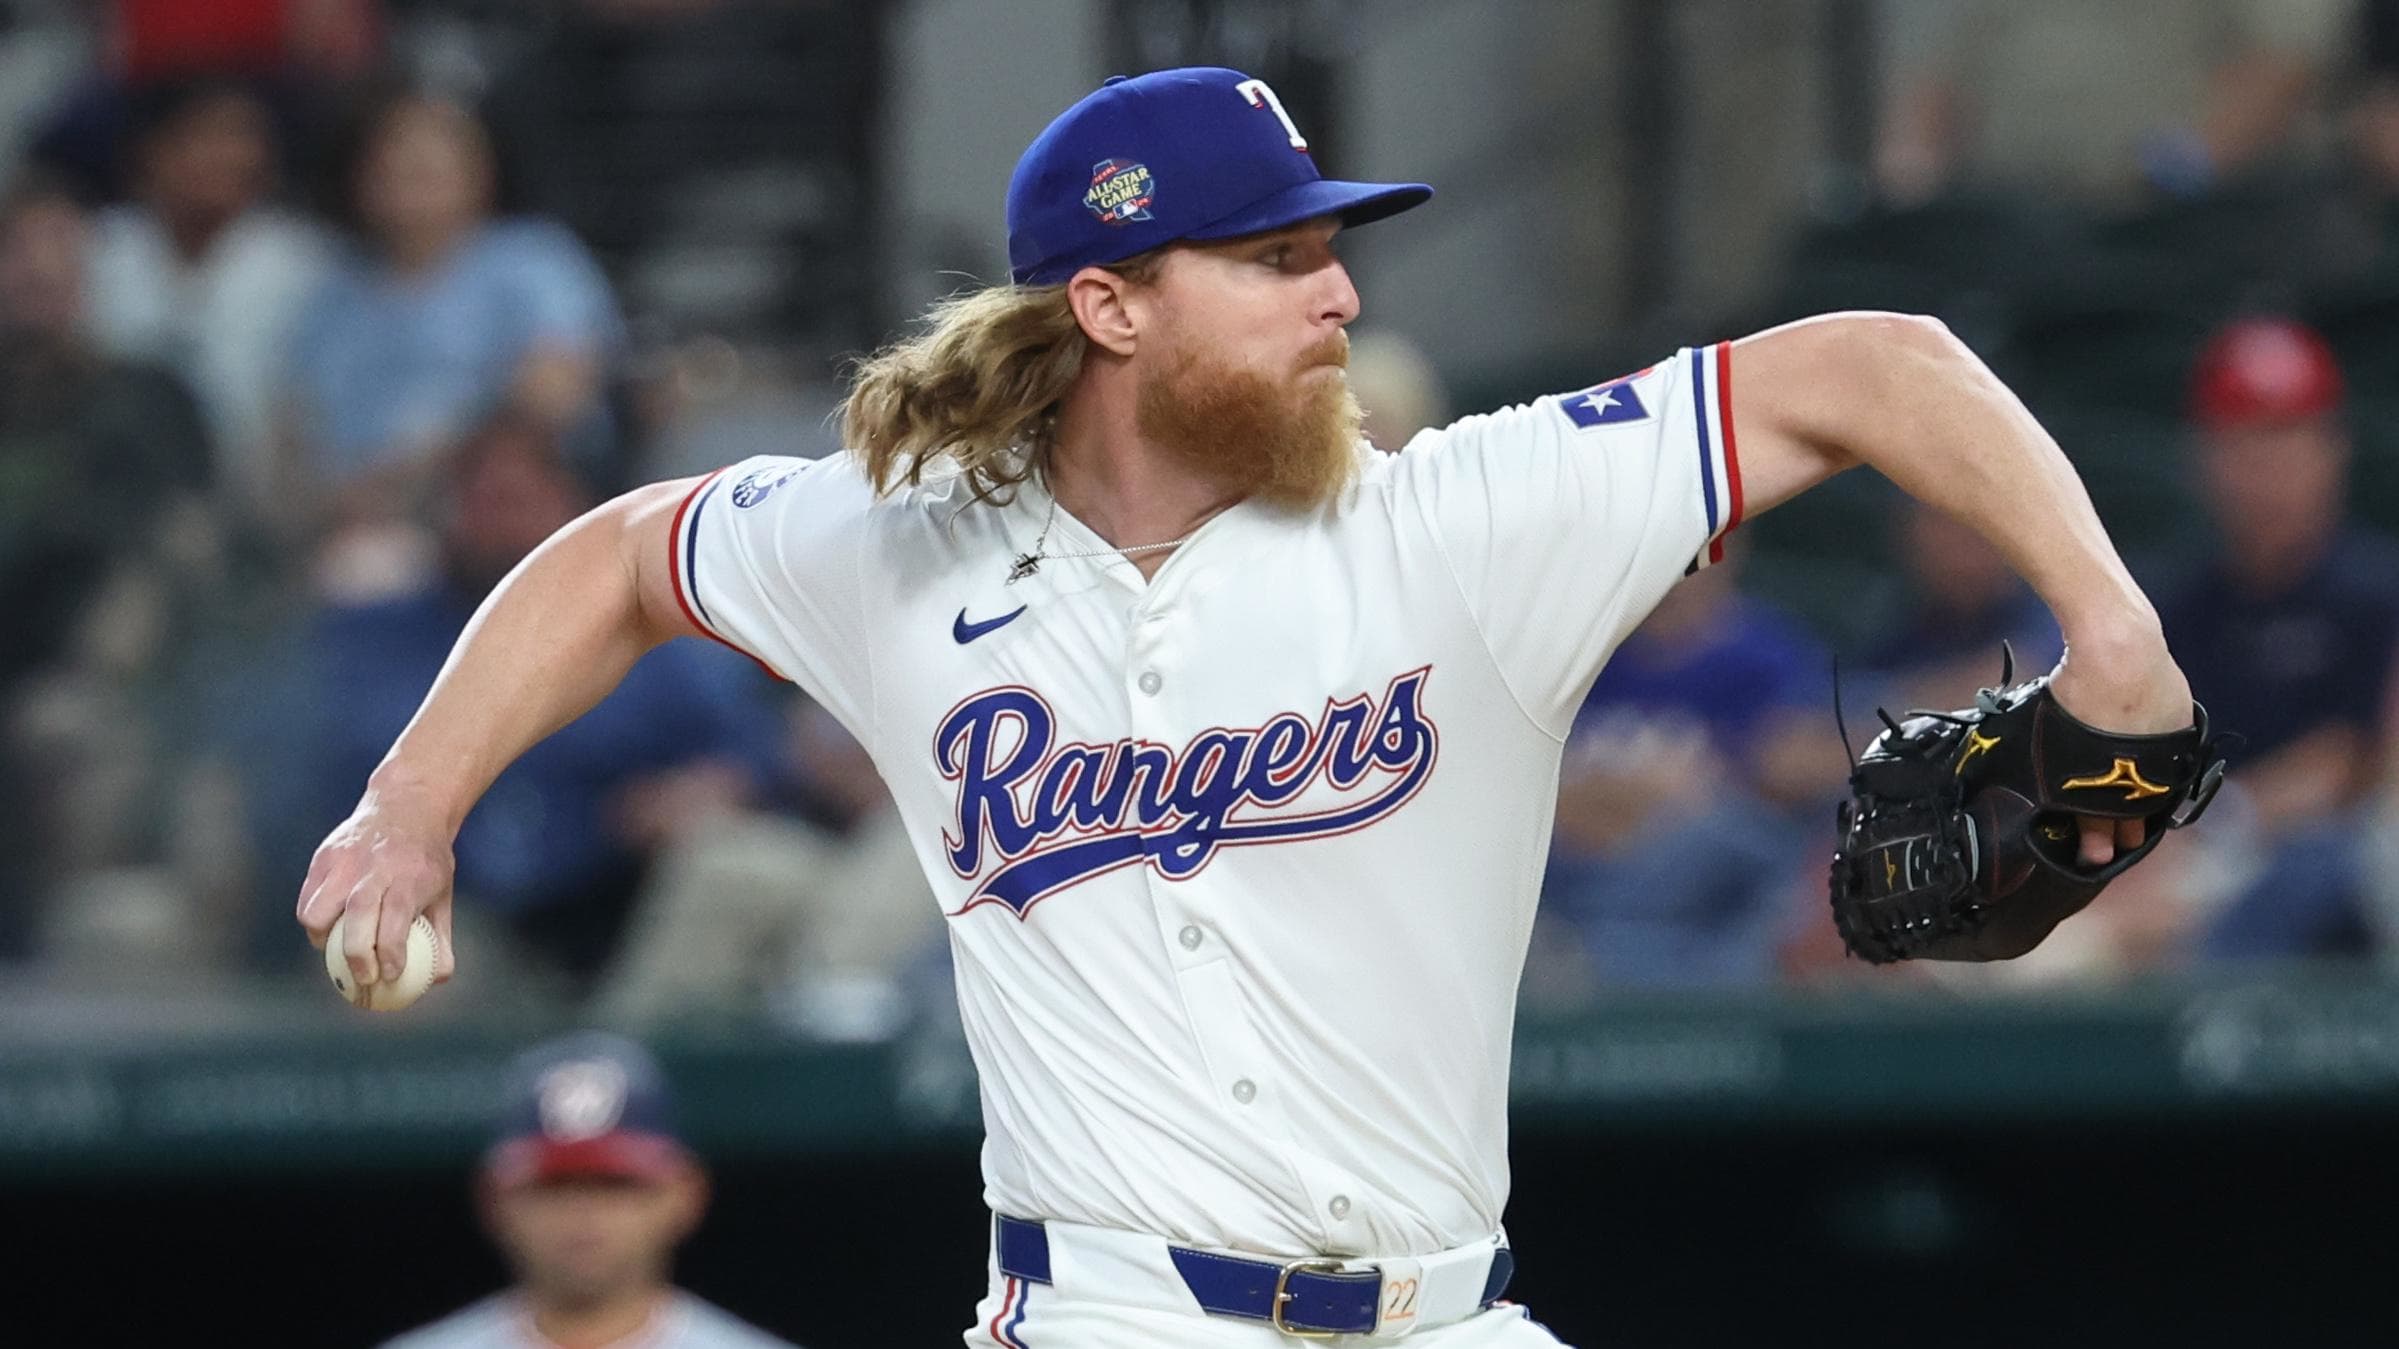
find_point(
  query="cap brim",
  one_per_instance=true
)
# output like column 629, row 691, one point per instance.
column 1354, row 203
column 623, row 1155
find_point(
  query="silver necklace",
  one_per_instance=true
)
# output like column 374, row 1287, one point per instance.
column 1028, row 563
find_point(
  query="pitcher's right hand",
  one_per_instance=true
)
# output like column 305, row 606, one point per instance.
column 383, row 866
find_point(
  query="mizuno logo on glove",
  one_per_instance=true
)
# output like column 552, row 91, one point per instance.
column 2122, row 775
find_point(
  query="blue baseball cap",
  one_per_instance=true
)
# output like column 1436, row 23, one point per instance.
column 1198, row 152
column 589, row 1104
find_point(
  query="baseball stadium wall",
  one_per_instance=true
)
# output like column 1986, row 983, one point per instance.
column 2172, row 1163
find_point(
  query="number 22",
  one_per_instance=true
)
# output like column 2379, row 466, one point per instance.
column 1399, row 1299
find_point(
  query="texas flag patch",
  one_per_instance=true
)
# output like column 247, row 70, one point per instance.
column 1611, row 404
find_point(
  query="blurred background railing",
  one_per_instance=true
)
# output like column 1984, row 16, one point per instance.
column 316, row 315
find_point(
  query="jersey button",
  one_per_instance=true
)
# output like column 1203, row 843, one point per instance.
column 1191, row 937
column 1339, row 1208
column 1245, row 1091
column 1150, row 682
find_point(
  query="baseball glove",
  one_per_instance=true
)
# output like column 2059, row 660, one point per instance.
column 1960, row 841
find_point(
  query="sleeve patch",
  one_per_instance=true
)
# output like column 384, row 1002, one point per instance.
column 758, row 482
column 1615, row 403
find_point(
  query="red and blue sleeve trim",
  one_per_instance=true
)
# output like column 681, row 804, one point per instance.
column 1707, row 453
column 683, row 566
column 1719, row 455
column 687, row 576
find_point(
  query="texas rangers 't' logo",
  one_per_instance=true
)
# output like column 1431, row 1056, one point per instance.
column 1054, row 815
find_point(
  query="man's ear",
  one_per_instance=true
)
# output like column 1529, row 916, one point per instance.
column 1104, row 306
column 487, row 1205
column 693, row 1191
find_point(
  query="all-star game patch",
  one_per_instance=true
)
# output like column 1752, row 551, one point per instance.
column 758, row 483
column 1121, row 191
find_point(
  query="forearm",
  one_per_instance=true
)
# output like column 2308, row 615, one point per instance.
column 1918, row 406
column 549, row 643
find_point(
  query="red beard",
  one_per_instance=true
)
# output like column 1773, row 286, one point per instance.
column 1290, row 443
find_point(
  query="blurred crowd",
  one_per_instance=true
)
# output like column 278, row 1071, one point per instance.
column 2173, row 227
column 296, row 362
column 295, row 366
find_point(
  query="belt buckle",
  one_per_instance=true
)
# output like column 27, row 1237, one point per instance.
column 1283, row 1296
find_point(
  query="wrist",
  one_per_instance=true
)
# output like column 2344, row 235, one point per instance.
column 395, row 789
column 2117, row 675
column 2119, row 622
column 2117, row 638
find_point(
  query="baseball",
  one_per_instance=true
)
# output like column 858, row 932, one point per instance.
column 388, row 995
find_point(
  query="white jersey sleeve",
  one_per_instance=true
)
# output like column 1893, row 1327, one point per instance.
column 766, row 558
column 1566, row 519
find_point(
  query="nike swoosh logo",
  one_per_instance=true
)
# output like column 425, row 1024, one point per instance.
column 966, row 632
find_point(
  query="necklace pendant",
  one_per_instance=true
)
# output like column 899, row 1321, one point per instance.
column 1025, row 565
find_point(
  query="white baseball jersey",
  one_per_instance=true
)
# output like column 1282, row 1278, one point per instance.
column 503, row 1322
column 1240, row 862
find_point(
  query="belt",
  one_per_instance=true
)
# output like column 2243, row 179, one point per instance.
column 1314, row 1297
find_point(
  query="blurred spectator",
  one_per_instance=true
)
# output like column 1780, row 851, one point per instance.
column 2103, row 102
column 557, row 850
column 1396, row 384
column 705, row 403
column 2288, row 635
column 48, row 46
column 298, row 55
column 93, row 448
column 1699, row 772
column 329, row 40
column 2374, row 109
column 100, row 465
column 444, row 317
column 199, row 273
column 588, row 1189
column 817, row 912
column 1960, row 601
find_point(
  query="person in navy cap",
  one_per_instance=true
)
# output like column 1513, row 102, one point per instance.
column 1228, row 745
column 587, row 1189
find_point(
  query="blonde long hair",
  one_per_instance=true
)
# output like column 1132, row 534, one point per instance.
column 979, row 385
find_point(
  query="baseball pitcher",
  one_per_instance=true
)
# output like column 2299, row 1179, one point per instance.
column 1230, row 745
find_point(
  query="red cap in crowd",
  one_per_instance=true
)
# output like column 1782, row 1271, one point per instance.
column 2264, row 370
